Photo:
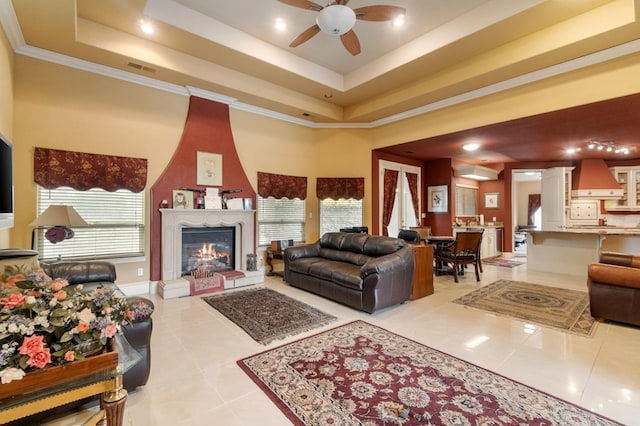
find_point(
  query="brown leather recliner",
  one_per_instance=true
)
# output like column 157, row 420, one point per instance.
column 614, row 288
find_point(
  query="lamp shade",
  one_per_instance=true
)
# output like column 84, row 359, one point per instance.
column 57, row 215
column 336, row 19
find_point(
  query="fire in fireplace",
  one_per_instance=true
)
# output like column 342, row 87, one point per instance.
column 206, row 250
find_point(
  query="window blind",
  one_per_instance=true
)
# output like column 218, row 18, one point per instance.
column 280, row 219
column 116, row 223
column 341, row 213
column 466, row 201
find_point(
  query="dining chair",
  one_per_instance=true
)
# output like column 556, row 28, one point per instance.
column 480, row 230
column 463, row 251
column 409, row 236
column 424, row 231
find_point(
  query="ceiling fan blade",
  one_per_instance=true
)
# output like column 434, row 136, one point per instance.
column 304, row 4
column 305, row 36
column 379, row 13
column 350, row 42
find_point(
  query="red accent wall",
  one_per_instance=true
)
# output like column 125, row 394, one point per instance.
column 439, row 172
column 207, row 130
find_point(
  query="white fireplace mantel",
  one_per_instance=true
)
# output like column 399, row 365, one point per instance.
column 173, row 220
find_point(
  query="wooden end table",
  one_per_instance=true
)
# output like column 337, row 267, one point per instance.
column 274, row 254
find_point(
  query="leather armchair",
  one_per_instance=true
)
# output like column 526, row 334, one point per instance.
column 92, row 274
column 614, row 288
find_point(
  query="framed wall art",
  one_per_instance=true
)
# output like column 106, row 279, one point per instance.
column 209, row 169
column 437, row 199
column 491, row 200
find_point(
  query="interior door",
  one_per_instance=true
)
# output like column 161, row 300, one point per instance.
column 552, row 199
column 403, row 214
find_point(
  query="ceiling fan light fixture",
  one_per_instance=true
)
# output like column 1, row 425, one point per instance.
column 336, row 19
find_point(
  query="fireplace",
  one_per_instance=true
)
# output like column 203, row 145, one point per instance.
column 178, row 224
column 206, row 250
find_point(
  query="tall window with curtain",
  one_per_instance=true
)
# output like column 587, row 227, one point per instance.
column 340, row 203
column 389, row 197
column 107, row 191
column 280, row 207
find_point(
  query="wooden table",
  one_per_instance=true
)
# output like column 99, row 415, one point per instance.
column 271, row 254
column 440, row 241
column 423, row 272
column 52, row 387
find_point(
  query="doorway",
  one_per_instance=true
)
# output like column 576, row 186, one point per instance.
column 399, row 197
column 526, row 206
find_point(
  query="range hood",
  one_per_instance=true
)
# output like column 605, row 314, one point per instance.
column 592, row 179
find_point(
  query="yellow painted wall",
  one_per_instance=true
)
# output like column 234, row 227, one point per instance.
column 63, row 108
column 274, row 146
column 608, row 80
column 6, row 106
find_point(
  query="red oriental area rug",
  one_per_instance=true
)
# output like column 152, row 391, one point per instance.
column 360, row 374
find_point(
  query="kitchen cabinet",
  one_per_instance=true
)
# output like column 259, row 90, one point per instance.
column 555, row 197
column 491, row 245
column 629, row 180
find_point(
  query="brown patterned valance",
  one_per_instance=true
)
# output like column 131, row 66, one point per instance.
column 53, row 168
column 336, row 188
column 282, row 186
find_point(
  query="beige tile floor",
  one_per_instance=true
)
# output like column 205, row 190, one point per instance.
column 195, row 379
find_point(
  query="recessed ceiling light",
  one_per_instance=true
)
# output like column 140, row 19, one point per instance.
column 280, row 25
column 399, row 21
column 146, row 27
column 470, row 146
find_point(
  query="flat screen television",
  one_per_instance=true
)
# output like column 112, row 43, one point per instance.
column 6, row 183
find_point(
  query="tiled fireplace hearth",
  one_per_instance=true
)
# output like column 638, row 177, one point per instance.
column 173, row 222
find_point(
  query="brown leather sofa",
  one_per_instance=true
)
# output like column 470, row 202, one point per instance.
column 359, row 270
column 92, row 274
column 614, row 288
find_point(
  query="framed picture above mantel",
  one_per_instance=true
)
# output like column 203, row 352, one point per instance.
column 209, row 169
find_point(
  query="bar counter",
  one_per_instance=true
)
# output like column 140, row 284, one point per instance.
column 569, row 250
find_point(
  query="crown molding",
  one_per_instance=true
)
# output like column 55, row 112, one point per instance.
column 11, row 26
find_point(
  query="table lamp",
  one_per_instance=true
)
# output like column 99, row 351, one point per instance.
column 60, row 219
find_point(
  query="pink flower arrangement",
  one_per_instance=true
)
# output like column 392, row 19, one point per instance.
column 43, row 322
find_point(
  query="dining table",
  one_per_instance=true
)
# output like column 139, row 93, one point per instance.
column 440, row 241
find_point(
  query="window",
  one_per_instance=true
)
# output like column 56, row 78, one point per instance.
column 280, row 219
column 342, row 213
column 116, row 223
column 466, row 200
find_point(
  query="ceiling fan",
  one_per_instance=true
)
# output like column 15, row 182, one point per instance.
column 338, row 19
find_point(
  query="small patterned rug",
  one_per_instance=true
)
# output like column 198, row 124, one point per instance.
column 559, row 308
column 501, row 261
column 267, row 315
column 360, row 374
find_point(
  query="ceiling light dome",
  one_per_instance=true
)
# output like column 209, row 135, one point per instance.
column 336, row 19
